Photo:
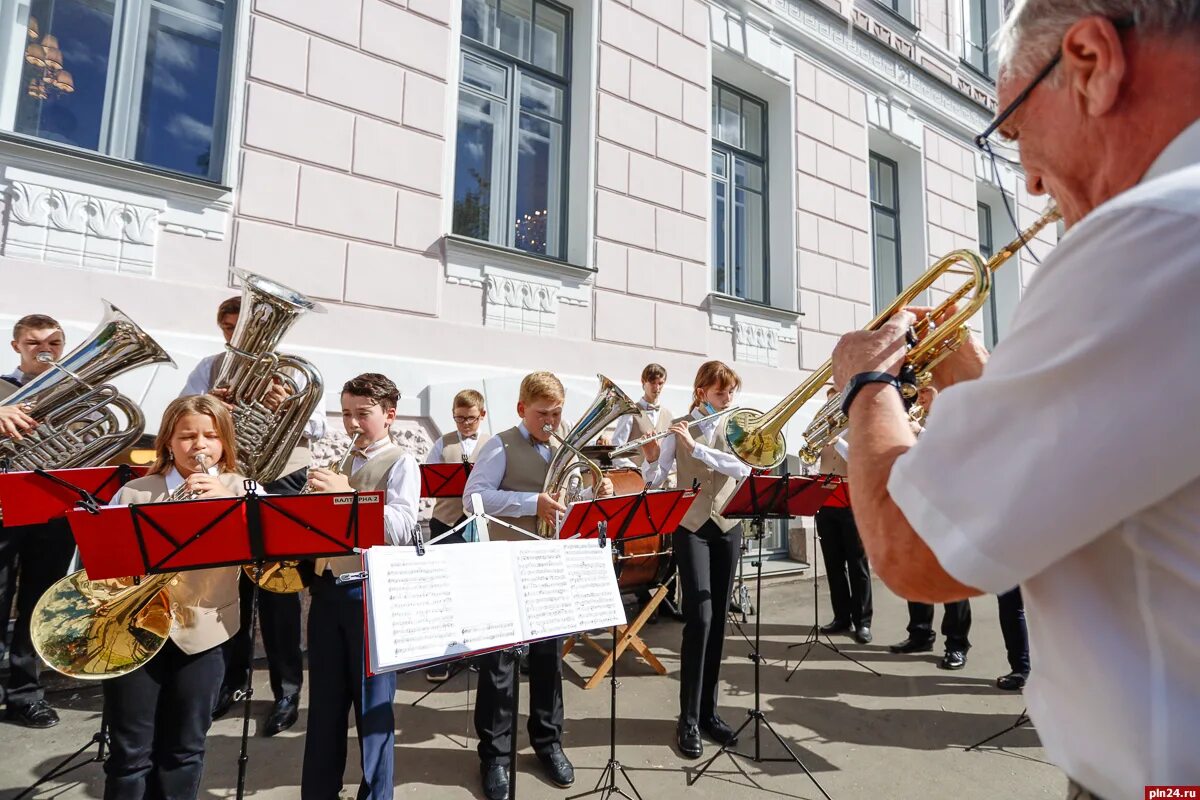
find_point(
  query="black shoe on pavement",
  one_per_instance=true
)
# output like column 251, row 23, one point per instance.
column 911, row 645
column 954, row 659
column 495, row 780
column 224, row 702
column 439, row 673
column 688, row 739
column 837, row 626
column 862, row 634
column 37, row 714
column 558, row 767
column 283, row 715
column 1012, row 682
column 718, row 730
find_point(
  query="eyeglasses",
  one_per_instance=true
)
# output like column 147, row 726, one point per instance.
column 465, row 420
column 981, row 141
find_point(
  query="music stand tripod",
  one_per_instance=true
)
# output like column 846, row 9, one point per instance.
column 762, row 498
column 1022, row 719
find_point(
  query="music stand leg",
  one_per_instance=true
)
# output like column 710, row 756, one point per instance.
column 455, row 668
column 1022, row 719
column 516, row 652
column 99, row 738
column 248, row 692
column 814, row 633
column 757, row 715
column 607, row 786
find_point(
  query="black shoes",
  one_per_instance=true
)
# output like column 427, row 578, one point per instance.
column 495, row 780
column 224, row 702
column 557, row 766
column 438, row 674
column 862, row 634
column 954, row 659
column 837, row 626
column 1012, row 682
column 688, row 739
column 37, row 714
column 718, row 730
column 283, row 715
column 911, row 645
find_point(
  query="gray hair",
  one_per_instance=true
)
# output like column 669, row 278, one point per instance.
column 1034, row 29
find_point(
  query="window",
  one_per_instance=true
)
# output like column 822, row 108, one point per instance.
column 510, row 169
column 885, row 223
column 739, row 185
column 902, row 8
column 987, row 248
column 142, row 80
column 981, row 23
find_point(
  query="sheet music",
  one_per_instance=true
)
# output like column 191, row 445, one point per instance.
column 593, row 584
column 418, row 588
column 485, row 603
column 547, row 602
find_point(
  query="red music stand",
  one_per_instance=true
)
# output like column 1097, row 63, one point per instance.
column 32, row 498
column 444, row 480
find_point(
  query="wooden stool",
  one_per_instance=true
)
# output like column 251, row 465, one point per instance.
column 627, row 637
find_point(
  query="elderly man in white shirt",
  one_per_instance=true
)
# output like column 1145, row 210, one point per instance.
column 1069, row 463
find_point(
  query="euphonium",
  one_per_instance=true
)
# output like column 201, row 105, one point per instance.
column 757, row 437
column 82, row 419
column 94, row 630
column 251, row 366
column 609, row 404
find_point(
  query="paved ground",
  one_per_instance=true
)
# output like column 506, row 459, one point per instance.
column 900, row 736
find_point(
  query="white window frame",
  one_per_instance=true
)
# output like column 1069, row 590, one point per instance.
column 730, row 154
column 991, row 12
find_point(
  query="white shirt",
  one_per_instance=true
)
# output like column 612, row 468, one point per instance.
column 403, row 493
column 199, row 381
column 487, row 473
column 725, row 463
column 625, row 424
column 1072, row 468
column 18, row 377
column 468, row 447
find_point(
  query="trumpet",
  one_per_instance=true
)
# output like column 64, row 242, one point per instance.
column 183, row 491
column 654, row 437
column 757, row 437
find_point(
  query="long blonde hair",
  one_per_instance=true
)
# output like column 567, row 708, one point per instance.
column 179, row 408
column 713, row 373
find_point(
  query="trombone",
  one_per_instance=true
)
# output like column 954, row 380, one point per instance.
column 654, row 437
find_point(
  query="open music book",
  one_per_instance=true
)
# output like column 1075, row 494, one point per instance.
column 461, row 599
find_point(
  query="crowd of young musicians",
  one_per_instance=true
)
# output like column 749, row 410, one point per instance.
column 159, row 715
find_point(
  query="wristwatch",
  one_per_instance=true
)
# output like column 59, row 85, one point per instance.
column 862, row 379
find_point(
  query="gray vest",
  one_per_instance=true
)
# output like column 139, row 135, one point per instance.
column 715, row 488
column 371, row 477
column 449, row 510
column 641, row 428
column 524, row 471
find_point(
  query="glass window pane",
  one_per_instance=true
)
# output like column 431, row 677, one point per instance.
column 62, row 95
column 550, row 39
column 180, row 90
column 748, row 244
column 887, row 186
column 479, row 20
column 752, row 117
column 718, row 164
column 985, row 231
column 719, row 232
column 729, row 119
column 516, row 24
column 747, row 175
column 885, row 225
column 537, row 220
column 481, row 126
column 541, row 97
column 486, row 77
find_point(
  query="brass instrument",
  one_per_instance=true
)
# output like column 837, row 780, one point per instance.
column 251, row 366
column 93, row 630
column 757, row 437
column 562, row 479
column 654, row 437
column 82, row 419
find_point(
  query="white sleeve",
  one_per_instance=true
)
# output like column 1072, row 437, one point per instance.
column 655, row 473
column 199, row 379
column 1084, row 415
column 435, row 453
column 485, row 481
column 724, row 463
column 403, row 499
column 624, row 428
column 315, row 428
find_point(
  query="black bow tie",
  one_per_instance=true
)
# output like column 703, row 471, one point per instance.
column 470, row 438
column 649, row 407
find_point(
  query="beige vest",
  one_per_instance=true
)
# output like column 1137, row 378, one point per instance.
column 641, row 428
column 715, row 488
column 6, row 389
column 832, row 462
column 204, row 602
column 449, row 510
column 370, row 477
column 301, row 456
column 524, row 471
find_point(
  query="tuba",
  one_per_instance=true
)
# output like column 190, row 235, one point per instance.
column 562, row 474
column 757, row 437
column 251, row 366
column 82, row 419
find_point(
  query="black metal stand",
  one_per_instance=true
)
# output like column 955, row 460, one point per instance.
column 247, row 694
column 457, row 667
column 99, row 738
column 756, row 715
column 742, row 592
column 516, row 653
column 814, row 633
column 1022, row 719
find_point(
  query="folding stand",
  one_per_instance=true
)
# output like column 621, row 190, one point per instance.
column 1022, row 719
column 814, row 633
column 761, row 498
column 742, row 592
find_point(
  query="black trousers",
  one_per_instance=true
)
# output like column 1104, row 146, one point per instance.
column 956, row 623
column 41, row 555
column 157, row 719
column 437, row 528
column 846, row 566
column 493, row 704
column 279, row 620
column 707, row 564
column 1012, row 627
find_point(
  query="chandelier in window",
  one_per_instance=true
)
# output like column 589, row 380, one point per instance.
column 47, row 60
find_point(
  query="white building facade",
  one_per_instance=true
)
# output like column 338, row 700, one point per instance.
column 475, row 189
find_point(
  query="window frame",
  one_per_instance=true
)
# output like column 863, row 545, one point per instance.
column 987, row 248
column 990, row 27
column 729, row 153
column 513, row 68
column 894, row 214
column 120, row 118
